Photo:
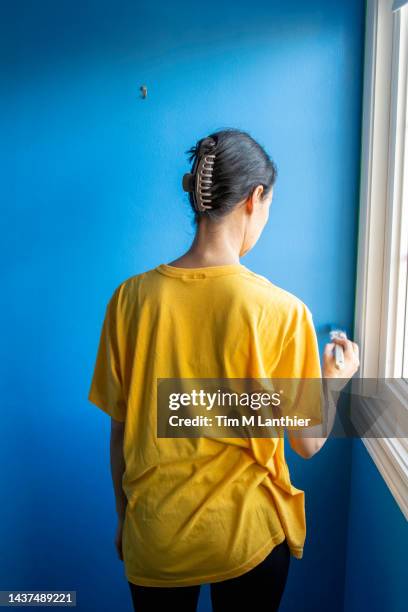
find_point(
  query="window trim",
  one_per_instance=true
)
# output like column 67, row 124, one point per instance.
column 378, row 305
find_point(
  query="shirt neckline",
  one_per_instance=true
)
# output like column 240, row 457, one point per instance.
column 203, row 272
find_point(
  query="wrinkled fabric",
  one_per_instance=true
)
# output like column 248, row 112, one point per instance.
column 201, row 509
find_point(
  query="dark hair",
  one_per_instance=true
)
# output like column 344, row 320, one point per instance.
column 240, row 165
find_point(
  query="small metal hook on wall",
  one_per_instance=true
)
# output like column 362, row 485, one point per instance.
column 143, row 89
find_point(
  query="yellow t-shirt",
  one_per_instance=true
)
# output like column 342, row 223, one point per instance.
column 201, row 510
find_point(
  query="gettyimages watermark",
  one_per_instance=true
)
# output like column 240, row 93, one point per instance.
column 265, row 408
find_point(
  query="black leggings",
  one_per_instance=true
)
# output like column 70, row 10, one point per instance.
column 262, row 587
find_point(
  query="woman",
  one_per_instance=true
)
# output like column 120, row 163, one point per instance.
column 205, row 510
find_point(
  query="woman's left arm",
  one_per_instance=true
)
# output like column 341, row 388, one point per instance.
column 117, row 462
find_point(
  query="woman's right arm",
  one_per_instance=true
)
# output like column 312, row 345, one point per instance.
column 308, row 446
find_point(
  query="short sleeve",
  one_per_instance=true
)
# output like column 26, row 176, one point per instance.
column 106, row 390
column 300, row 360
column 300, row 354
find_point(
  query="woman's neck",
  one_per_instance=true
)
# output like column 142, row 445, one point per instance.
column 213, row 245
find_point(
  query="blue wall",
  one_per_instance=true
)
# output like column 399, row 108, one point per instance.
column 376, row 577
column 92, row 194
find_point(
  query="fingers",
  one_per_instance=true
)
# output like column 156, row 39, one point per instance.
column 342, row 341
column 356, row 353
column 350, row 348
column 328, row 349
column 351, row 358
column 346, row 344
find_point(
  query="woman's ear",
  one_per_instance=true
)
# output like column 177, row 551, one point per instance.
column 253, row 198
column 249, row 206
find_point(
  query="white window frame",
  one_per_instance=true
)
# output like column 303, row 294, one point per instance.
column 380, row 305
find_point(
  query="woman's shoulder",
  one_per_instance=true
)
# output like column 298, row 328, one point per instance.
column 248, row 287
column 278, row 295
column 127, row 290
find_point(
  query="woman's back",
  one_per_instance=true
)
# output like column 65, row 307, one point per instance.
column 200, row 509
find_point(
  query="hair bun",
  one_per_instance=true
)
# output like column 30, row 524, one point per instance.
column 206, row 144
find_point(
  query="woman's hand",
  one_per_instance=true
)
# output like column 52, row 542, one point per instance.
column 351, row 360
column 307, row 446
column 118, row 538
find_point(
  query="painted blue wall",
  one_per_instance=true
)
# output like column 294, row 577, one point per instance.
column 92, row 194
column 376, row 577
